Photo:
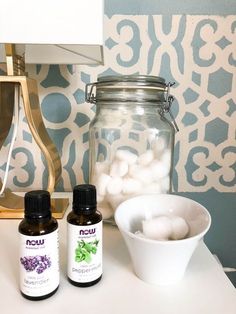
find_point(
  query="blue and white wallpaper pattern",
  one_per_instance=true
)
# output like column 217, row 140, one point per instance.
column 197, row 52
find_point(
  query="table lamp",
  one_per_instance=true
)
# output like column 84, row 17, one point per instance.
column 41, row 32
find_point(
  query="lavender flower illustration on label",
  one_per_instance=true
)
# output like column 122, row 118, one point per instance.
column 38, row 263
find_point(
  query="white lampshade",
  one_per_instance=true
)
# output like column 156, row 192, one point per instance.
column 53, row 31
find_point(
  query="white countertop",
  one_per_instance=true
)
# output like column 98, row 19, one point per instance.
column 205, row 288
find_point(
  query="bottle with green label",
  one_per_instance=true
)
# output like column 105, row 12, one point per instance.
column 39, row 248
column 84, row 238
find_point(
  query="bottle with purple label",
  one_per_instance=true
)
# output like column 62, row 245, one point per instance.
column 84, row 234
column 39, row 248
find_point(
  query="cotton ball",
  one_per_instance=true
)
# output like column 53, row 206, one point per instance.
column 159, row 169
column 119, row 169
column 133, row 169
column 105, row 210
column 166, row 158
column 131, row 186
column 125, row 155
column 142, row 174
column 158, row 146
column 146, row 158
column 115, row 186
column 158, row 228
column 152, row 135
column 115, row 200
column 180, row 228
column 165, row 184
column 101, row 167
column 100, row 198
column 102, row 182
column 152, row 188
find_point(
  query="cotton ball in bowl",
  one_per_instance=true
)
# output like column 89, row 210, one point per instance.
column 157, row 228
column 155, row 261
column 165, row 228
column 180, row 228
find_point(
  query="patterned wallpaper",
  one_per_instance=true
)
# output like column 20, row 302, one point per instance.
column 198, row 52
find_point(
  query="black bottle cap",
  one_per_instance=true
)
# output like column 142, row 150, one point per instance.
column 84, row 197
column 37, row 204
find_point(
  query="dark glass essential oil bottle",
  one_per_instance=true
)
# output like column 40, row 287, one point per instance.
column 39, row 248
column 84, row 238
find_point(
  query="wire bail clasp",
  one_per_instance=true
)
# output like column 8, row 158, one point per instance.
column 167, row 107
column 89, row 95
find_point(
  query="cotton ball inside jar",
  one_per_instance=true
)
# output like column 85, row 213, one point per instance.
column 115, row 186
column 133, row 170
column 159, row 169
column 152, row 188
column 101, row 167
column 100, row 198
column 157, row 228
column 105, row 210
column 125, row 155
column 166, row 157
column 115, row 200
column 142, row 174
column 180, row 228
column 165, row 184
column 158, row 146
column 101, row 183
column 131, row 186
column 152, row 135
column 146, row 158
column 119, row 169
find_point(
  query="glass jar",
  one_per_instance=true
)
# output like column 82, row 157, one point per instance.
column 131, row 141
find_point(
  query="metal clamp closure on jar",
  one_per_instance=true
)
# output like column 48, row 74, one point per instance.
column 133, row 88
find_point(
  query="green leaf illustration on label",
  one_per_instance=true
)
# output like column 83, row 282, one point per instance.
column 84, row 251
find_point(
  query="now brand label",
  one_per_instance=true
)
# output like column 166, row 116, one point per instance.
column 87, row 231
column 84, row 260
column 39, row 264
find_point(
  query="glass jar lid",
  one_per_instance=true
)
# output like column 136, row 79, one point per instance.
column 134, row 79
column 128, row 88
column 132, row 89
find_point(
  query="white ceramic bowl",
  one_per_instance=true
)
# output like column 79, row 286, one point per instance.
column 161, row 262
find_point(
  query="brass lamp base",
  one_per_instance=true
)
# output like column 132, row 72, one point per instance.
column 12, row 206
